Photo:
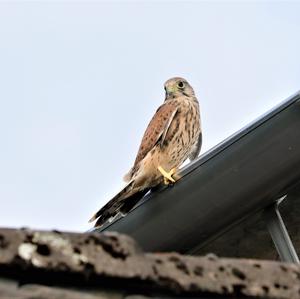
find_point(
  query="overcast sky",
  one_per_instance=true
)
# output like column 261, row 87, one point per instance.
column 80, row 82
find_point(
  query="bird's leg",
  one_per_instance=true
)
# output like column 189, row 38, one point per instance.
column 174, row 174
column 167, row 175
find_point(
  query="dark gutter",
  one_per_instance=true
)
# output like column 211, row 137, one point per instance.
column 239, row 177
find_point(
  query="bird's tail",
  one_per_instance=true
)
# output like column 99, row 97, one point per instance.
column 123, row 202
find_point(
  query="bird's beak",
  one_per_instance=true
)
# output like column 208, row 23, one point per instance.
column 170, row 90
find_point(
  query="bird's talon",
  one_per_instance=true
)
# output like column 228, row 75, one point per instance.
column 168, row 179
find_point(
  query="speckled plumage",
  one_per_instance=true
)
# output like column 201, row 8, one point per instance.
column 172, row 136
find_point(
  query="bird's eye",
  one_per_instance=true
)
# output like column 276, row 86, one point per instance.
column 180, row 84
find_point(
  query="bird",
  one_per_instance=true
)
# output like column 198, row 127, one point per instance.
column 173, row 135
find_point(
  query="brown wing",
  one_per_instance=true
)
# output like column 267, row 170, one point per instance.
column 156, row 129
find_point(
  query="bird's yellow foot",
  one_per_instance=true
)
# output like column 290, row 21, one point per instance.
column 168, row 179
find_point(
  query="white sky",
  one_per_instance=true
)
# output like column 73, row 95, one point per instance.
column 81, row 80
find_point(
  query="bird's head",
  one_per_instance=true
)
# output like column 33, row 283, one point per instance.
column 176, row 87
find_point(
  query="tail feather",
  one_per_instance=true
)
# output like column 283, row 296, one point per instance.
column 113, row 203
column 131, row 201
column 123, row 202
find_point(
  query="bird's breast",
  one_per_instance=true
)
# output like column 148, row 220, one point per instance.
column 182, row 134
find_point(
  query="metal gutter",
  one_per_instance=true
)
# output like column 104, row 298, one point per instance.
column 242, row 175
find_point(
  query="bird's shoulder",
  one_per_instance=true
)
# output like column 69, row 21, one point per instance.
column 160, row 120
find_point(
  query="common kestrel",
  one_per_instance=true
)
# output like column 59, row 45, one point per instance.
column 173, row 135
